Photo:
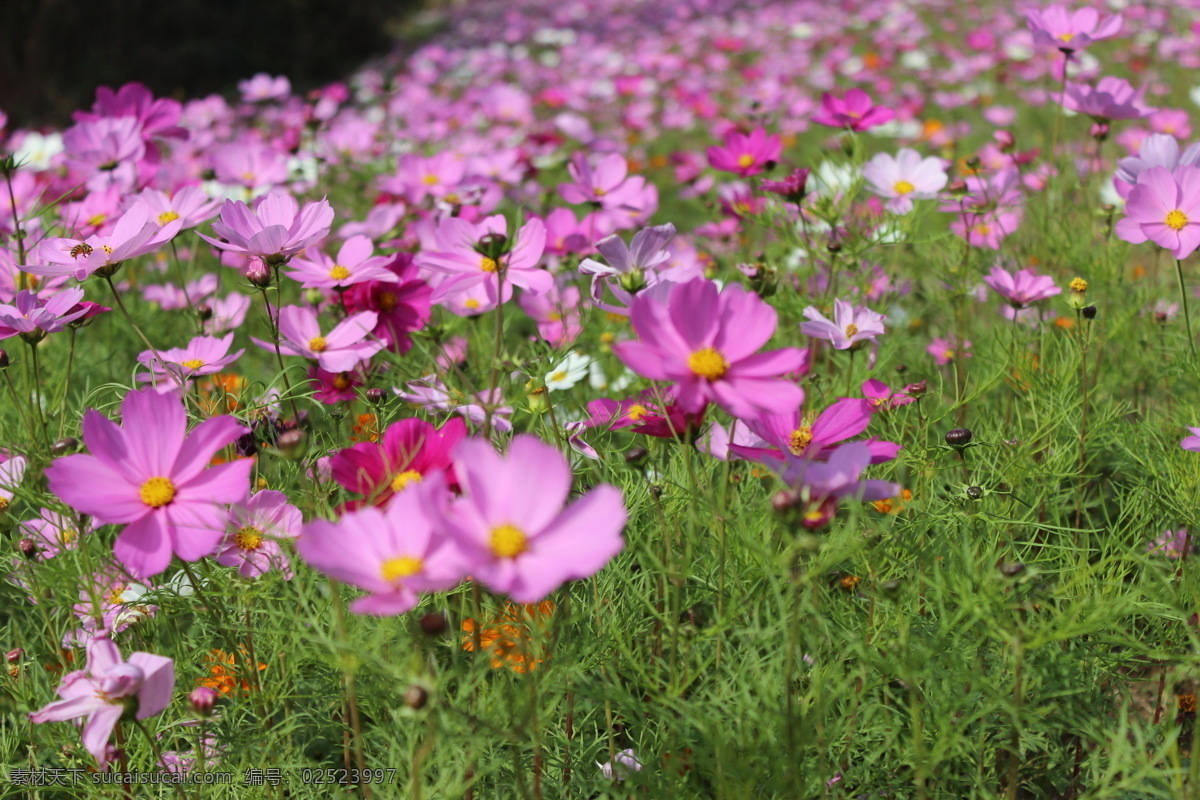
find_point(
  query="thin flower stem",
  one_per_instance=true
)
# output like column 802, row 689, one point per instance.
column 12, row 391
column 62, row 400
column 339, row 617
column 493, row 380
column 18, row 234
column 137, row 723
column 287, row 385
column 35, row 392
column 1183, row 299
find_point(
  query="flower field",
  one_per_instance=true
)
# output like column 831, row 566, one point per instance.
column 616, row 399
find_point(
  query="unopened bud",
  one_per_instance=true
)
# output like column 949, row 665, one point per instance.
column 292, row 443
column 28, row 547
column 202, row 700
column 258, row 273
column 64, row 446
column 415, row 697
column 959, row 437
column 782, row 501
column 204, row 312
column 974, row 492
column 376, row 396
column 1089, row 312
column 14, row 655
column 433, row 624
column 4, row 359
column 1012, row 569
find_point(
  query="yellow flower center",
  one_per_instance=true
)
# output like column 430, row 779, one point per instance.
column 558, row 377
column 387, row 301
column 599, row 192
column 800, row 439
column 608, row 337
column 508, row 541
column 488, row 264
column 1176, row 220
column 708, row 363
column 193, row 363
column 851, row 329
column 157, row 492
column 471, row 303
column 903, row 187
column 317, row 344
column 3, row 503
column 1066, row 37
column 637, row 411
column 813, row 516
column 341, row 380
column 745, row 160
column 1079, row 285
column 248, row 538
column 430, row 180
column 339, row 273
column 401, row 567
column 68, row 535
column 405, row 478
column 96, row 220
column 167, row 217
column 554, row 316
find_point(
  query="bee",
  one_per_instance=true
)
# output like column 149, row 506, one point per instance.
column 81, row 249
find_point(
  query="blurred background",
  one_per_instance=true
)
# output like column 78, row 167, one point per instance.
column 54, row 53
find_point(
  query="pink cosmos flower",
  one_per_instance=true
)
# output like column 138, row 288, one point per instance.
column 624, row 764
column 431, row 393
column 883, row 398
column 189, row 204
column 594, row 185
column 1192, row 442
column 393, row 554
column 32, row 317
column 1158, row 150
column 419, row 177
column 12, row 472
column 511, row 526
column 264, row 87
column 1111, row 98
column 1056, row 26
column 478, row 262
column 1022, row 288
column 855, row 111
column 851, row 325
column 133, row 235
column 820, row 486
column 336, row 387
column 746, row 154
column 103, row 143
column 904, row 178
column 802, row 436
column 355, row 264
column 254, row 531
column 172, row 297
column 408, row 452
column 1172, row 544
column 945, row 350
column 707, row 343
column 340, row 350
column 107, row 690
column 556, row 314
column 228, row 313
column 203, row 355
column 1164, row 207
column 275, row 229
column 152, row 477
column 632, row 267
column 52, row 533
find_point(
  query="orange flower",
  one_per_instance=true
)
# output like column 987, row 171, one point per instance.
column 223, row 671
column 893, row 505
column 1066, row 323
column 366, row 429
column 507, row 639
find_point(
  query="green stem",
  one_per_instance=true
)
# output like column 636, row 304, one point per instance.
column 1183, row 299
column 137, row 723
column 339, row 616
column 287, row 385
column 62, row 400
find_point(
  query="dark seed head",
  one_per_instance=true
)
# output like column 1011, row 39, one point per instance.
column 415, row 697
column 959, row 437
column 433, row 624
column 974, row 492
column 1089, row 312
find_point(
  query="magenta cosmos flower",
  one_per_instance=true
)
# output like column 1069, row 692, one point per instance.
column 594, row 184
column 851, row 325
column 1022, row 288
column 1192, row 442
column 274, row 230
column 203, row 355
column 1159, row 150
column 154, row 478
column 393, row 554
column 511, row 526
column 905, row 177
column 820, row 486
column 108, row 690
column 409, row 451
column 340, row 350
column 32, row 317
column 707, row 343
column 855, row 111
column 480, row 265
column 1056, row 26
column 746, row 153
column 803, row 436
column 135, row 234
column 1164, row 207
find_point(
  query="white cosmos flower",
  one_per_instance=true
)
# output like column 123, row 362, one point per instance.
column 570, row 371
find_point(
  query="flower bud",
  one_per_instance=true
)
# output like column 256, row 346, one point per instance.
column 64, row 446
column 415, row 697
column 975, row 492
column 14, row 655
column 1012, row 569
column 1089, row 312
column 959, row 437
column 433, row 624
column 201, row 701
column 28, row 547
column 376, row 396
column 4, row 359
column 292, row 443
column 258, row 273
column 204, row 312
